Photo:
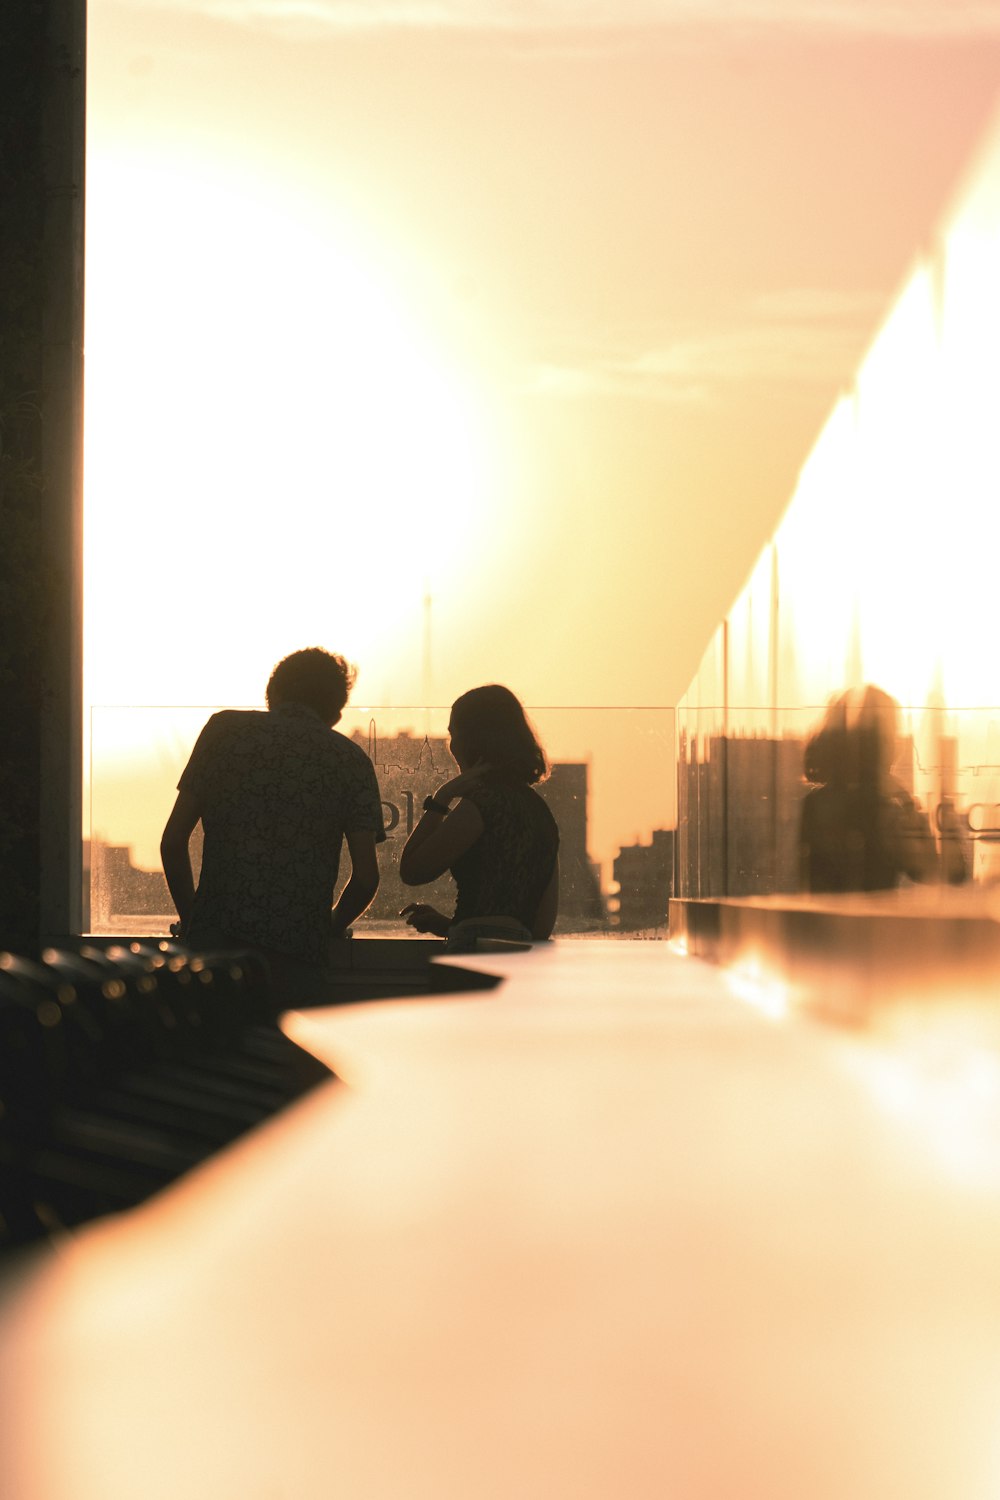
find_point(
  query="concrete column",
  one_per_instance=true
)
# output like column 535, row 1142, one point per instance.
column 63, row 161
column 42, row 128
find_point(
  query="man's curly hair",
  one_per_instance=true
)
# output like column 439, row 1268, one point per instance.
column 313, row 677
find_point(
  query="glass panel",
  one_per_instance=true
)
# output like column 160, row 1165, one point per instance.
column 611, row 790
column 945, row 763
column 701, row 776
column 750, row 669
column 865, row 719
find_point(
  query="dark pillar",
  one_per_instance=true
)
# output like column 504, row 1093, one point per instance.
column 42, row 132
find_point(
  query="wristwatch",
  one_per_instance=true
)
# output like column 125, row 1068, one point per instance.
column 431, row 805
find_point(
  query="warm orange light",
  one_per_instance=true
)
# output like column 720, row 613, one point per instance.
column 879, row 568
column 749, row 980
column 941, row 1083
column 277, row 453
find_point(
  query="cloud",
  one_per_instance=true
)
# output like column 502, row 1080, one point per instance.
column 313, row 17
column 791, row 340
column 646, row 377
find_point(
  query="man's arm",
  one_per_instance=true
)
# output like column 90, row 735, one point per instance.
column 175, row 854
column 359, row 892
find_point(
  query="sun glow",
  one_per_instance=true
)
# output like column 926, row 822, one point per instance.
column 748, row 980
column 276, row 452
column 940, row 1079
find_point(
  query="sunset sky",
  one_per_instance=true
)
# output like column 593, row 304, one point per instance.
column 537, row 307
column 532, row 306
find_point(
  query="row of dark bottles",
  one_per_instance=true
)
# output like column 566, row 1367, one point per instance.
column 121, row 1068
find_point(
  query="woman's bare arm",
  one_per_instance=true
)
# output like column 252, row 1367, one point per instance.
column 548, row 908
column 443, row 834
column 438, row 841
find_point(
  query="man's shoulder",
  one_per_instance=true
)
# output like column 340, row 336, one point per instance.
column 302, row 736
column 229, row 722
column 349, row 752
column 237, row 718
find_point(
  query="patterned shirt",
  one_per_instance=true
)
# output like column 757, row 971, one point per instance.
column 277, row 792
column 506, row 871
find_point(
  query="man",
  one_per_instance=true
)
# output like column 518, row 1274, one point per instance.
column 277, row 793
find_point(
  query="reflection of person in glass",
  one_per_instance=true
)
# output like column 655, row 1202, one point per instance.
column 861, row 830
column 499, row 841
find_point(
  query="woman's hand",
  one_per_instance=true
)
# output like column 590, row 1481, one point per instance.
column 426, row 919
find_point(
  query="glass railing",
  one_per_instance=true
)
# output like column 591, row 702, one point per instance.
column 611, row 790
column 755, row 802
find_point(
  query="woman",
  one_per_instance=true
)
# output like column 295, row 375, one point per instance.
column 499, row 839
column 860, row 828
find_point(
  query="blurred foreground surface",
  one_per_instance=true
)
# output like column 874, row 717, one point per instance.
column 619, row 1227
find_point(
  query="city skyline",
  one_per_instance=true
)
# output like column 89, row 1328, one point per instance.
column 137, row 756
column 124, row 896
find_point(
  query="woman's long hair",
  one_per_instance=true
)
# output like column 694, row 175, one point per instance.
column 856, row 744
column 492, row 726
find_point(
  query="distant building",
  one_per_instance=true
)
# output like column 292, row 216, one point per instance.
column 120, row 893
column 739, row 801
column 581, row 904
column 644, row 874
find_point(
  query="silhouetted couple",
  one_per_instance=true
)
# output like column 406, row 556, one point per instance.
column 278, row 793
